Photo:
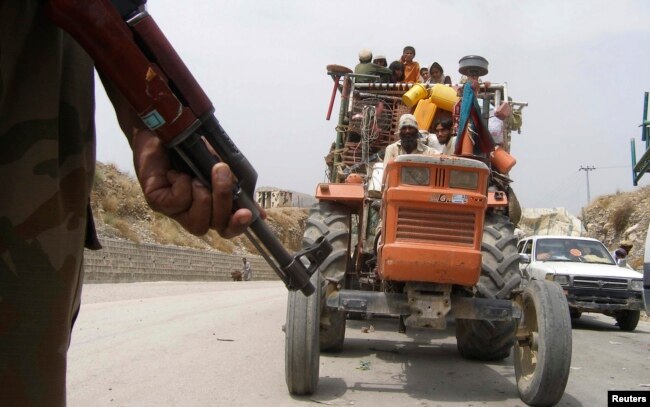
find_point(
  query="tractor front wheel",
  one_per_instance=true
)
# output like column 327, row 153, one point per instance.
column 302, row 353
column 542, row 352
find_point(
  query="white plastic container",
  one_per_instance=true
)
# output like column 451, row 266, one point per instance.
column 377, row 175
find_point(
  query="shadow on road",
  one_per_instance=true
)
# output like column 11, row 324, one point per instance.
column 594, row 323
column 424, row 364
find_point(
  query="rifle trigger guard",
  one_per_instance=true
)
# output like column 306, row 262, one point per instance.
column 315, row 254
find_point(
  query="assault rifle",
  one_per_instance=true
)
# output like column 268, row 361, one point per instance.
column 130, row 50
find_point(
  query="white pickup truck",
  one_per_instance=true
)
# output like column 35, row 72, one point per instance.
column 588, row 274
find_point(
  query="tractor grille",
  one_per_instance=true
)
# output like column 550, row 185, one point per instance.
column 439, row 178
column 434, row 226
column 604, row 283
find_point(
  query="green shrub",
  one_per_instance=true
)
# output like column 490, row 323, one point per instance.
column 621, row 216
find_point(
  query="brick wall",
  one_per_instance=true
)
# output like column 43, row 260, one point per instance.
column 124, row 261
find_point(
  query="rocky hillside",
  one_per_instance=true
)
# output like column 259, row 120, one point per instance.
column 121, row 212
column 621, row 216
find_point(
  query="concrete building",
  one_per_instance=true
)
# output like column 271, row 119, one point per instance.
column 273, row 198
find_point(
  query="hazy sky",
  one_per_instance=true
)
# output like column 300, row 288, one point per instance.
column 582, row 66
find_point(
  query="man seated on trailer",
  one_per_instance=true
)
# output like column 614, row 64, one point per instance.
column 366, row 67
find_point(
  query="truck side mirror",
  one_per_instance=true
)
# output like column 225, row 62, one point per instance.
column 524, row 258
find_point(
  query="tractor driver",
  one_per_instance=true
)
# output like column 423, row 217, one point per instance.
column 409, row 140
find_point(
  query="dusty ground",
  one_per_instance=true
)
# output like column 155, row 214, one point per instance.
column 221, row 344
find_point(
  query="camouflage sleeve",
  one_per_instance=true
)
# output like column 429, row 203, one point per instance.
column 47, row 156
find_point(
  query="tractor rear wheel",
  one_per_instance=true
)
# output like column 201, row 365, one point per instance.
column 514, row 208
column 542, row 353
column 331, row 220
column 492, row 340
column 301, row 351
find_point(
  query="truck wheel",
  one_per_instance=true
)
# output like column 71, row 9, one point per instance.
column 301, row 351
column 492, row 340
column 627, row 320
column 542, row 353
column 574, row 313
column 332, row 221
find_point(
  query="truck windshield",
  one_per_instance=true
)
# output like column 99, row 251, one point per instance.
column 572, row 250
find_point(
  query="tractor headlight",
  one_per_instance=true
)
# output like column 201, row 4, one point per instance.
column 415, row 175
column 463, row 179
column 636, row 285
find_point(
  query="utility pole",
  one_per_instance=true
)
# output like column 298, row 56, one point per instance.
column 586, row 170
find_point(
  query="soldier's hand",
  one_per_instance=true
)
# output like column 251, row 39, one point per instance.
column 183, row 198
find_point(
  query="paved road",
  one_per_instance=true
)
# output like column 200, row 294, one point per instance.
column 221, row 344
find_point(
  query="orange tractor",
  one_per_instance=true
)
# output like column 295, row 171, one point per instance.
column 428, row 239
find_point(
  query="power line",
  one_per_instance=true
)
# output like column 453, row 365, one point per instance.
column 588, row 168
column 614, row 166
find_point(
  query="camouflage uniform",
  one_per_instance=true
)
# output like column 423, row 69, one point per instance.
column 47, row 158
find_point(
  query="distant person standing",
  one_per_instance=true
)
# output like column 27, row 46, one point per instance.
column 248, row 272
column 621, row 253
column 626, row 245
column 619, row 256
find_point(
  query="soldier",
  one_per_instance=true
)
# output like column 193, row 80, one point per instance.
column 47, row 162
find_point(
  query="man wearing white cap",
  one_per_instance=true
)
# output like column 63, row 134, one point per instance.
column 366, row 67
column 409, row 140
column 380, row 60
